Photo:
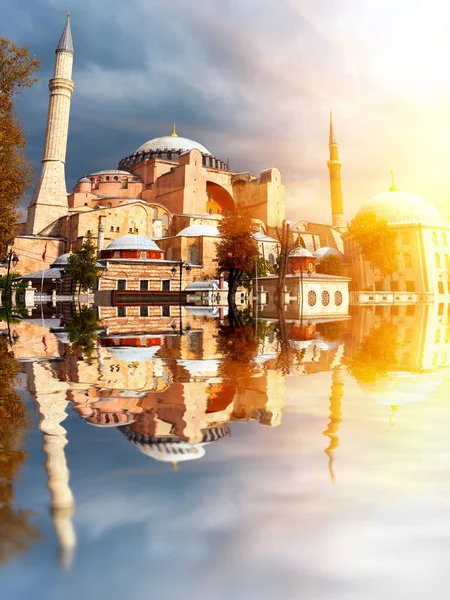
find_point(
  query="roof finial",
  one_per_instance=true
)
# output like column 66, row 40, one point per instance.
column 174, row 132
column 68, row 14
column 175, row 465
column 393, row 187
column 332, row 141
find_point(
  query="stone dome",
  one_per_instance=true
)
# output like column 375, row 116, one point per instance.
column 327, row 251
column 133, row 242
column 111, row 172
column 84, row 180
column 62, row 260
column 300, row 252
column 172, row 143
column 402, row 207
column 198, row 231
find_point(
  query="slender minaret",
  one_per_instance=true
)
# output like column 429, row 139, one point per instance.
column 49, row 395
column 49, row 201
column 334, row 166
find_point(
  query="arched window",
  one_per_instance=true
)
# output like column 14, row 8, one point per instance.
column 271, row 259
column 446, row 261
column 437, row 261
column 325, row 298
column 109, row 205
column 218, row 211
column 165, row 219
column 210, row 211
column 407, row 261
column 435, row 239
column 125, row 184
column 444, row 239
column 155, row 213
column 116, row 178
column 193, row 256
column 107, row 178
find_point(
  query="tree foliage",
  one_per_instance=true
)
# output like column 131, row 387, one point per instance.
column 17, row 71
column 82, row 265
column 330, row 265
column 83, row 329
column 376, row 356
column 16, row 530
column 288, row 240
column 237, row 249
column 377, row 243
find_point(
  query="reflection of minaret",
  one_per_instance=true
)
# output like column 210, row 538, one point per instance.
column 50, row 398
column 334, row 165
column 49, row 200
column 337, row 392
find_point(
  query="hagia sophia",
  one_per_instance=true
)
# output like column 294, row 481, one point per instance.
column 174, row 191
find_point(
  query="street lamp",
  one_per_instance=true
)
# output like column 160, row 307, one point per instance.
column 11, row 258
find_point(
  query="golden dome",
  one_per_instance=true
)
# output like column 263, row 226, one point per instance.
column 397, row 207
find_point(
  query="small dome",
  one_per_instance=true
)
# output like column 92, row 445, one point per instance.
column 402, row 207
column 199, row 231
column 300, row 251
column 172, row 143
column 132, row 354
column 84, row 180
column 327, row 251
column 61, row 261
column 133, row 242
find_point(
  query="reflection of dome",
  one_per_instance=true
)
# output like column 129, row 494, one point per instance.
column 173, row 449
column 170, row 143
column 132, row 353
column 404, row 387
column 402, row 207
column 133, row 242
column 61, row 261
column 300, row 252
column 198, row 231
column 327, row 251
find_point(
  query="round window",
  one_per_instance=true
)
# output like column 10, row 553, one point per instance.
column 312, row 298
column 325, row 298
column 338, row 298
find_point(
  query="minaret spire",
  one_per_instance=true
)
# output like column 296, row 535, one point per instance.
column 334, row 167
column 49, row 201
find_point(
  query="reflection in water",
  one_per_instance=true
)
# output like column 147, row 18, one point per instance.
column 17, row 532
column 176, row 397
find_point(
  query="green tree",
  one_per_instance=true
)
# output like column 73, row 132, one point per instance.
column 236, row 250
column 330, row 265
column 377, row 243
column 83, row 330
column 82, row 266
column 17, row 71
column 260, row 266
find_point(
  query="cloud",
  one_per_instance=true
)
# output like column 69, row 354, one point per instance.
column 255, row 81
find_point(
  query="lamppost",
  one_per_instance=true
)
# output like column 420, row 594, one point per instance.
column 11, row 258
column 187, row 266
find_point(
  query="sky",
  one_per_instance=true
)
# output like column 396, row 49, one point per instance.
column 254, row 80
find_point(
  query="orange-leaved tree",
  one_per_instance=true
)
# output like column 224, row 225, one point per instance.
column 17, row 71
column 237, row 249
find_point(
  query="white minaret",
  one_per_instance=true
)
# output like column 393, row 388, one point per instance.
column 49, row 201
column 49, row 395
